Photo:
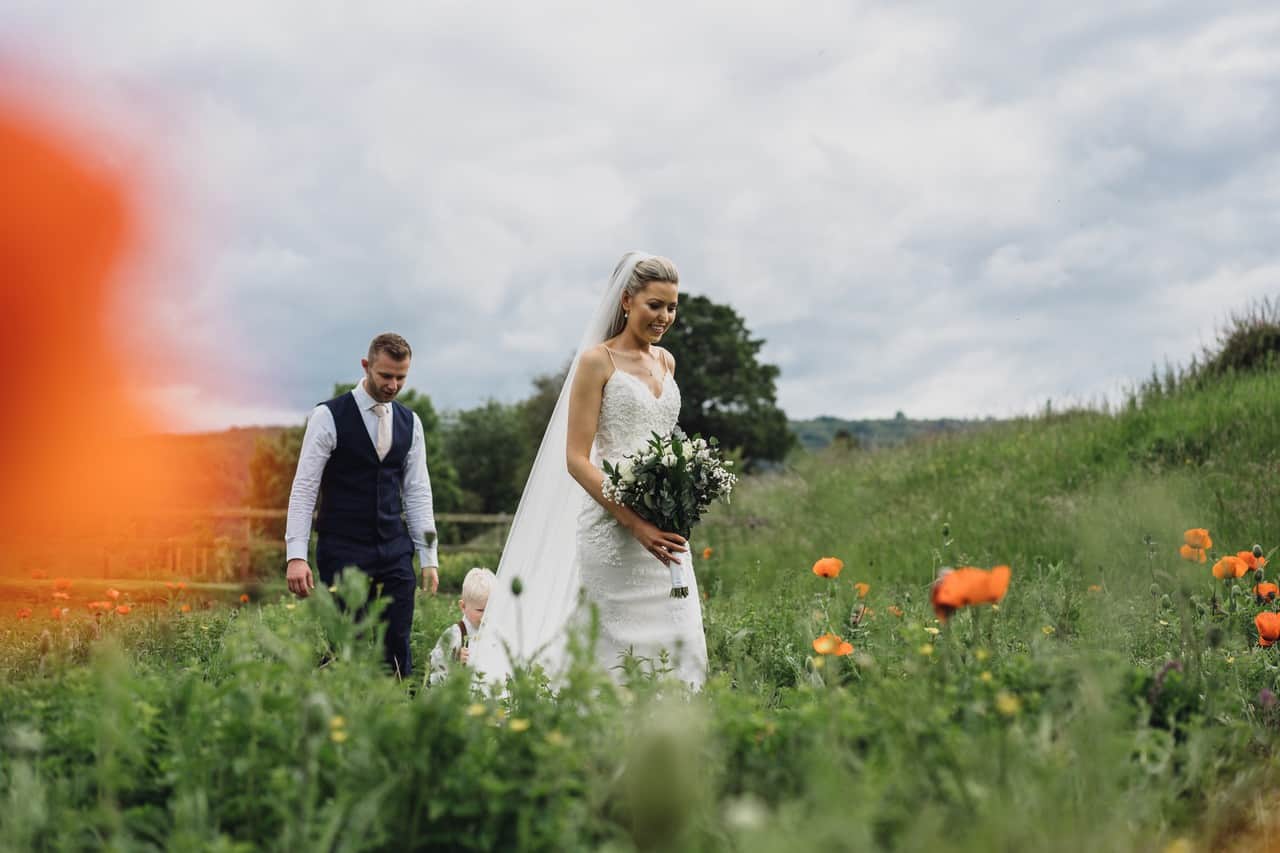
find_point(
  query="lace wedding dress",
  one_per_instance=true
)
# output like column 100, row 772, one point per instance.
column 558, row 546
column 629, row 587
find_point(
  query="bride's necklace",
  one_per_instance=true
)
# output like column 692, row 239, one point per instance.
column 647, row 363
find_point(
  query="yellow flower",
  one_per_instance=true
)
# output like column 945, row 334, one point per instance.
column 338, row 735
column 985, row 677
column 932, row 631
column 1163, row 622
column 926, row 649
column 476, row 710
column 1179, row 845
column 1048, row 629
column 1231, row 659
column 981, row 655
column 338, row 722
column 555, row 738
column 290, row 606
column 818, row 662
column 1008, row 704
column 519, row 724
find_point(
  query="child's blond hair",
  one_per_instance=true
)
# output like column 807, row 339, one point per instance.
column 476, row 585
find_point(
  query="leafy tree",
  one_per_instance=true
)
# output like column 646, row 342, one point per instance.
column 489, row 446
column 726, row 391
column 271, row 469
column 535, row 413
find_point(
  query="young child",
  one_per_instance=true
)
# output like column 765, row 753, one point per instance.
column 453, row 643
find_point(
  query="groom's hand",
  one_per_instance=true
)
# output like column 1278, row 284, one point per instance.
column 299, row 577
column 430, row 579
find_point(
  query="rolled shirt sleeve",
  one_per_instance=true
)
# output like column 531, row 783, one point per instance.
column 416, row 490
column 318, row 443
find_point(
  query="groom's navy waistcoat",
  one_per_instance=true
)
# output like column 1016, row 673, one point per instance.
column 360, row 495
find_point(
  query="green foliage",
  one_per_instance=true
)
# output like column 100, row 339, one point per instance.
column 1250, row 341
column 724, row 389
column 489, row 446
column 1116, row 700
column 271, row 469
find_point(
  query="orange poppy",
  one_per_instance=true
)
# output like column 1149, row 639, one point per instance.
column 61, row 596
column 24, row 612
column 828, row 567
column 862, row 588
column 1266, row 591
column 1230, row 567
column 244, row 598
column 706, row 553
column 1198, row 537
column 966, row 586
column 895, row 610
column 62, row 584
column 186, row 608
column 99, row 605
column 1251, row 560
column 58, row 612
column 170, row 585
column 1093, row 587
column 1268, row 627
column 830, row 644
column 113, row 594
column 181, row 586
column 123, row 610
column 1195, row 555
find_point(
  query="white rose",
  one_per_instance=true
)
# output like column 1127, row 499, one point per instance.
column 669, row 460
column 627, row 471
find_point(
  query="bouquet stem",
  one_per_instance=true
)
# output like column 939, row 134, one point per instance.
column 679, row 586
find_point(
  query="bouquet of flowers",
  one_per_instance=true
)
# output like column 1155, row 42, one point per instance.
column 671, row 482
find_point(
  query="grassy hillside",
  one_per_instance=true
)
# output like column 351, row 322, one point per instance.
column 1115, row 699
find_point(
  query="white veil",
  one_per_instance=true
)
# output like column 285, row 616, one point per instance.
column 541, row 549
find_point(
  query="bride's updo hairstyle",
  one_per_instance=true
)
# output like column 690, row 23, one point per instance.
column 648, row 269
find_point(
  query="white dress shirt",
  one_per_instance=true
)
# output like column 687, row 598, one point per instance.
column 318, row 444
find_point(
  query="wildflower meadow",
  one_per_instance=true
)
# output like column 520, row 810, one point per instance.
column 1058, row 633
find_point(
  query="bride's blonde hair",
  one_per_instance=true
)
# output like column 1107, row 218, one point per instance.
column 648, row 269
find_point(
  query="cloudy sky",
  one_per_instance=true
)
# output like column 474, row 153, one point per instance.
column 941, row 208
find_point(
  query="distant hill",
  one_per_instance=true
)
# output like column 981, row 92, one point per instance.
column 215, row 465
column 817, row 433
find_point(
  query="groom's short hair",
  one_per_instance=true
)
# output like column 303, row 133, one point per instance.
column 396, row 347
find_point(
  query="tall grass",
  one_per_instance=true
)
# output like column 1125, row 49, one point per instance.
column 1113, row 701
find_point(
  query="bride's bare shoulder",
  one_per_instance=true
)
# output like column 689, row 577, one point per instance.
column 596, row 362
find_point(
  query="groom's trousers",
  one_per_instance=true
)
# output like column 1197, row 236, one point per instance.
column 389, row 565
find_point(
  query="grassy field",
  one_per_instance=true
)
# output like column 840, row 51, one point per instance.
column 1116, row 698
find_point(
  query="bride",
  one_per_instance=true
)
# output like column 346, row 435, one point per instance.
column 570, row 550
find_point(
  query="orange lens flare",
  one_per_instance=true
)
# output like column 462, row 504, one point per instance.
column 71, row 449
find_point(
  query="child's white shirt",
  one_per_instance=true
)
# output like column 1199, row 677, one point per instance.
column 445, row 653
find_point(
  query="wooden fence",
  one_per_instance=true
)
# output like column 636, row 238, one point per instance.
column 206, row 544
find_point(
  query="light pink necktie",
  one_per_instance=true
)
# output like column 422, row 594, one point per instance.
column 383, row 444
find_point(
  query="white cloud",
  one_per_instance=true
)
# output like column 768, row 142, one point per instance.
column 935, row 208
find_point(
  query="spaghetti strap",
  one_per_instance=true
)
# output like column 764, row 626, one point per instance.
column 611, row 361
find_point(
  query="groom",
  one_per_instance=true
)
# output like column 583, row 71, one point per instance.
column 363, row 455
